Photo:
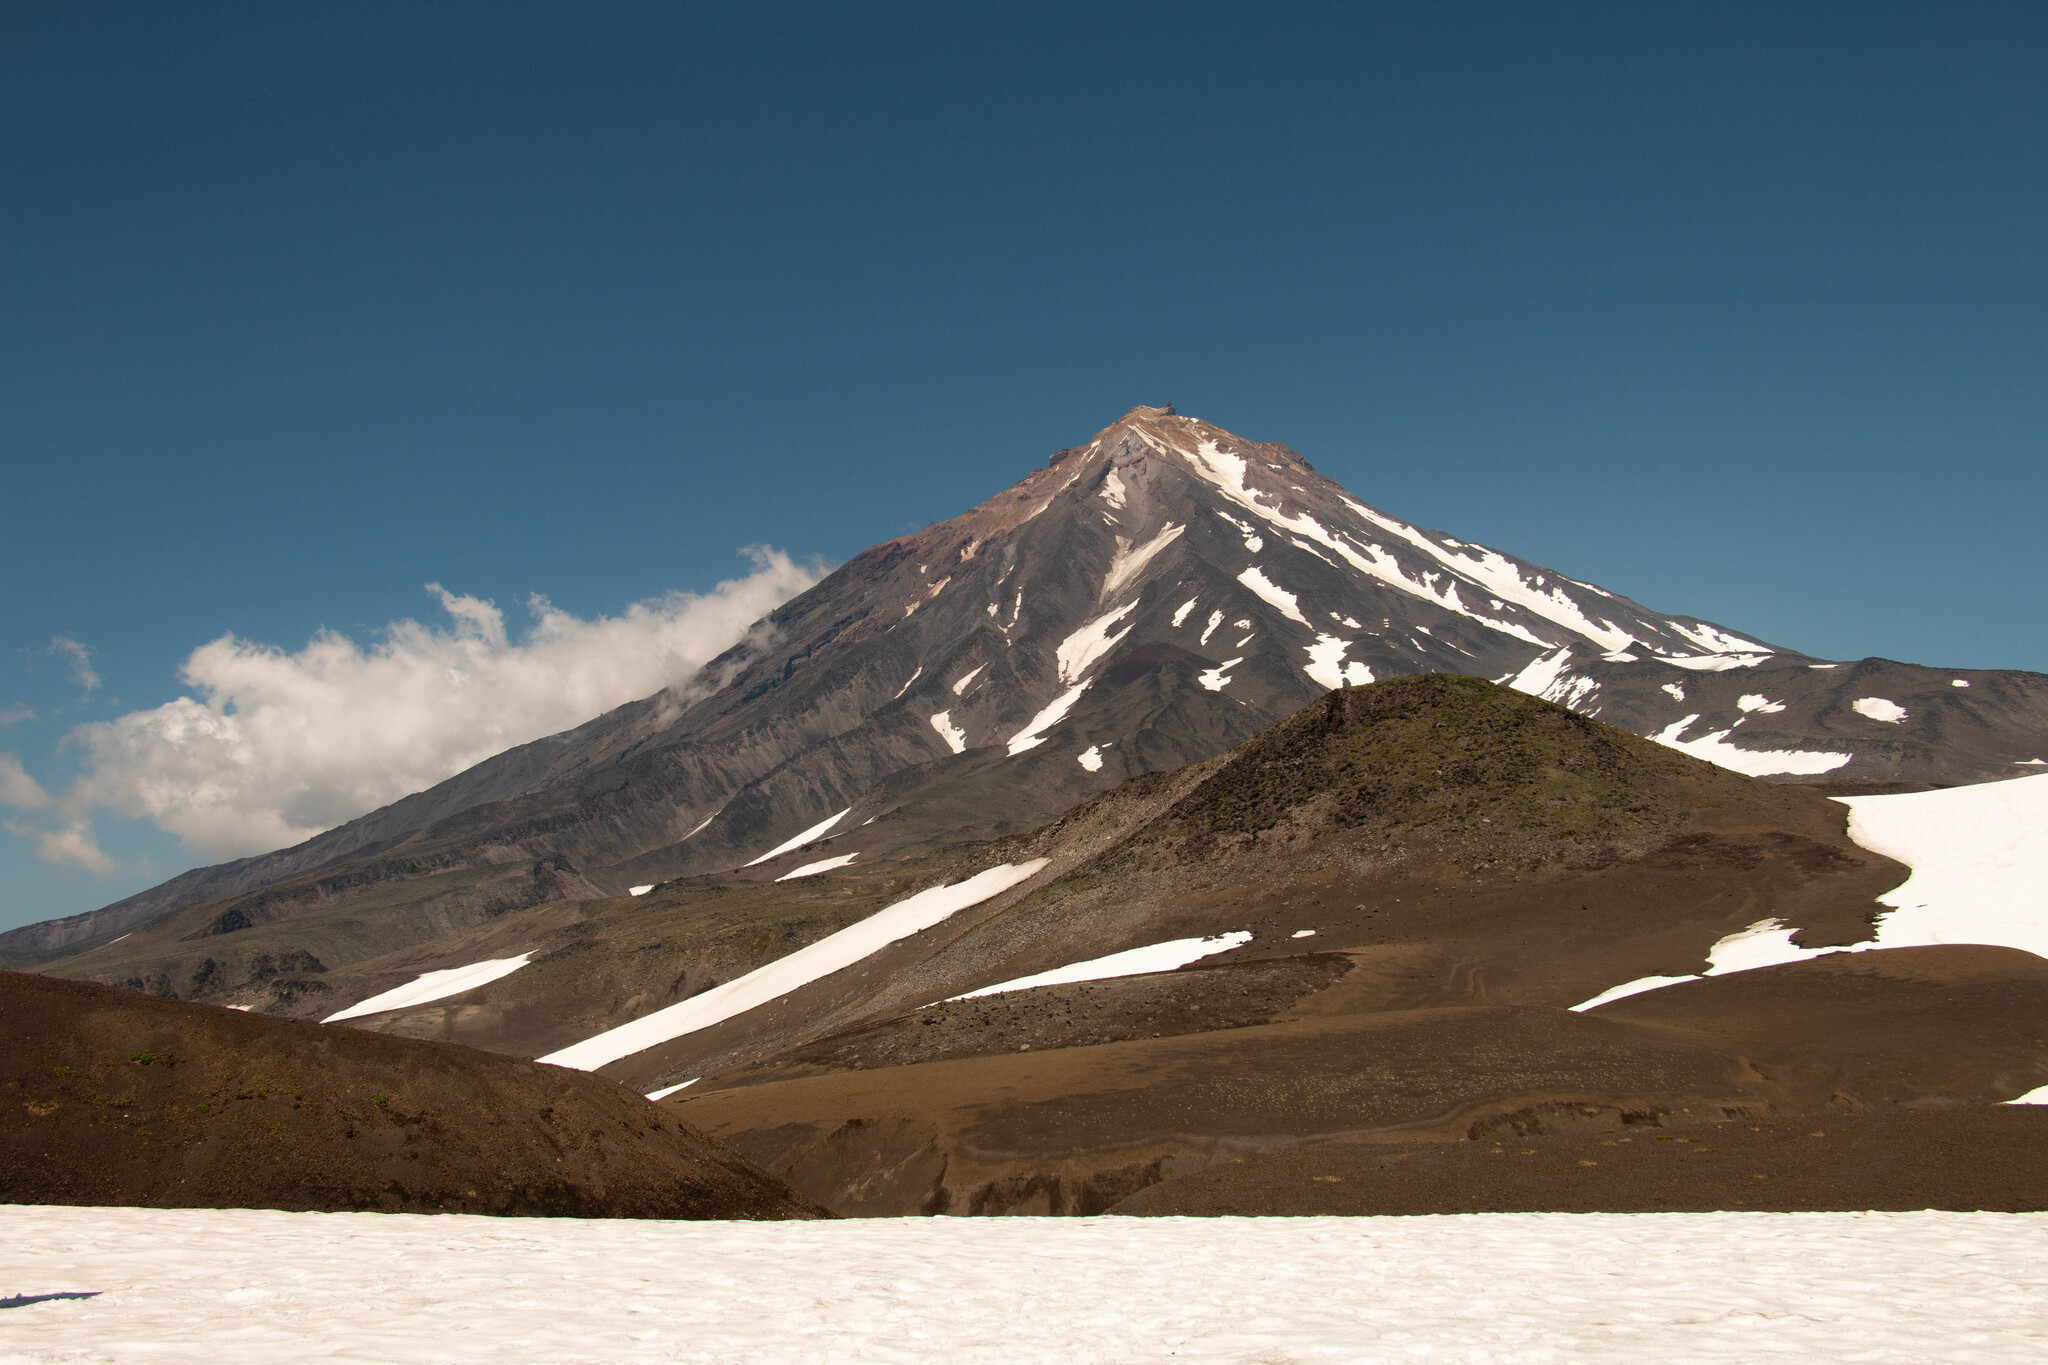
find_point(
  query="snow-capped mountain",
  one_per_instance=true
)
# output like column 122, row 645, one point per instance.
column 1142, row 602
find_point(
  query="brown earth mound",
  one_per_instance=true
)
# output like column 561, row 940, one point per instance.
column 114, row 1098
column 1991, row 1157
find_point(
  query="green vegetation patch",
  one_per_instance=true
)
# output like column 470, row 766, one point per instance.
column 1432, row 749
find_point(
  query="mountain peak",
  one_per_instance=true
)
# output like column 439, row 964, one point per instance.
column 1149, row 599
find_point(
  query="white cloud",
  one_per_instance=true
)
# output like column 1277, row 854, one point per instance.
column 276, row 747
column 18, row 789
column 15, row 714
column 81, row 662
column 72, row 845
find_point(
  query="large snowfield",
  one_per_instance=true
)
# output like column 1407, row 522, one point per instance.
column 246, row 1286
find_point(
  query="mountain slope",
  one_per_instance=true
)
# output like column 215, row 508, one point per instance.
column 1141, row 603
column 120, row 1099
column 1418, row 881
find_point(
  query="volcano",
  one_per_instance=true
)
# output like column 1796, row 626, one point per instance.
column 1141, row 603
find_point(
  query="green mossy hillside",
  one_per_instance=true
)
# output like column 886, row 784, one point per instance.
column 1444, row 750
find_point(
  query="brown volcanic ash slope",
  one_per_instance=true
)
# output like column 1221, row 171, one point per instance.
column 1146, row 601
column 1470, row 863
column 1983, row 1157
column 113, row 1098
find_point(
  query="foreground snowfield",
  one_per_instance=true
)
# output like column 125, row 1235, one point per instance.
column 246, row 1286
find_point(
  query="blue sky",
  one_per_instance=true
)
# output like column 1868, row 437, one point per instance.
column 1736, row 309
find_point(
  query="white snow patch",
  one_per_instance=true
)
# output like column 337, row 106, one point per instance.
column 1979, row 856
column 814, row 832
column 1181, row 613
column 1714, row 640
column 822, row 865
column 1033, row 734
column 2030, row 762
column 640, row 890
column 1712, row 663
column 431, row 986
column 1153, row 957
column 702, row 823
column 1714, row 748
column 1756, row 701
column 1303, row 933
column 1272, row 594
column 1960, row 682
column 1090, row 758
column 1766, row 943
column 1628, row 988
column 832, row 953
column 912, row 678
column 1550, row 678
column 177, row 1285
column 1676, row 690
column 1093, row 640
column 1823, row 665
column 1214, row 678
column 1215, row 620
column 1574, row 692
column 668, row 1090
column 1298, row 543
column 935, row 590
column 1541, row 673
column 1877, row 708
column 1253, row 541
column 1129, row 563
column 1113, row 490
column 1326, row 664
column 967, row 678
column 955, row 737
column 2038, row 1095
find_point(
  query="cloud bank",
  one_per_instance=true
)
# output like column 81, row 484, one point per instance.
column 274, row 747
